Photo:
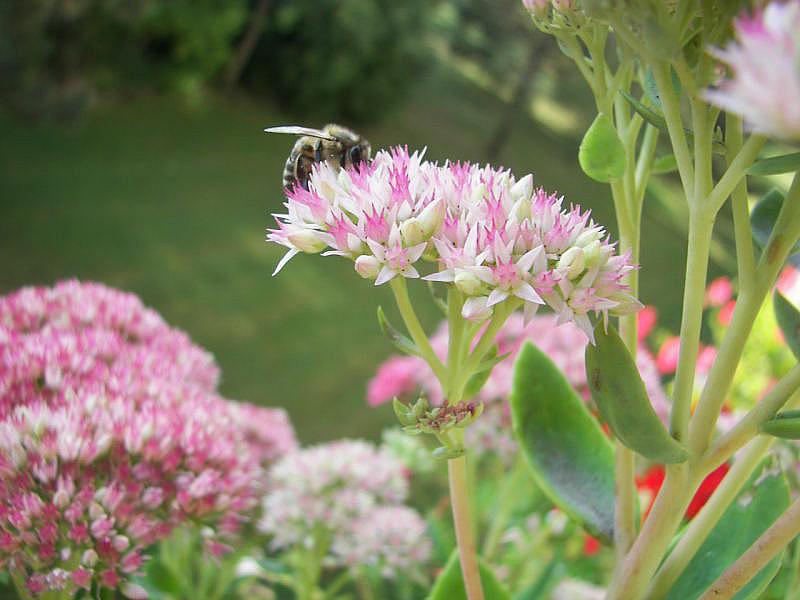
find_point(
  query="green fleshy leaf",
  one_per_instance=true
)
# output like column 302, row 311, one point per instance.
column 762, row 219
column 601, row 154
column 784, row 425
column 160, row 581
column 569, row 456
column 450, row 583
column 788, row 318
column 621, row 397
column 664, row 164
column 398, row 340
column 776, row 164
column 761, row 502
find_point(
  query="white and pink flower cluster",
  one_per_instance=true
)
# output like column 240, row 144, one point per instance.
column 765, row 61
column 490, row 235
column 111, row 435
column 565, row 344
column 345, row 498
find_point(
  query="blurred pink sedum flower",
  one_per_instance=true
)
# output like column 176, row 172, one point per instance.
column 349, row 493
column 765, row 60
column 564, row 344
column 492, row 236
column 111, row 435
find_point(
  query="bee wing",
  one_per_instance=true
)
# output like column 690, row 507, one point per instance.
column 297, row 130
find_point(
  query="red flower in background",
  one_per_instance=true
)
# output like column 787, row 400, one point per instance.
column 650, row 483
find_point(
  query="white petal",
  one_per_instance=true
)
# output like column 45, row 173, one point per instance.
column 526, row 292
column 497, row 296
column 415, row 252
column 446, row 276
column 411, row 273
column 286, row 258
column 529, row 312
column 385, row 275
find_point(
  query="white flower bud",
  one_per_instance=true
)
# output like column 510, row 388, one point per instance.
column 306, row 240
column 468, row 283
column 412, row 232
column 368, row 266
column 96, row 511
column 523, row 189
column 431, row 218
column 476, row 309
column 89, row 558
column 573, row 262
column 588, row 237
column 121, row 543
column 133, row 591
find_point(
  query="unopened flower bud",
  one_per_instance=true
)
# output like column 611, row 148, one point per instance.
column 538, row 8
column 468, row 283
column 133, row 591
column 89, row 558
column 121, row 543
column 61, row 499
column 573, row 262
column 412, row 232
column 96, row 511
column 523, row 189
column 431, row 218
column 368, row 266
column 587, row 237
column 476, row 309
column 306, row 240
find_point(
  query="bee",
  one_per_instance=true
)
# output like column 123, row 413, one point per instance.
column 337, row 145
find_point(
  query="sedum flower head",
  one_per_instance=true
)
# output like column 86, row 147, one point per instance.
column 112, row 435
column 765, row 64
column 341, row 495
column 478, row 228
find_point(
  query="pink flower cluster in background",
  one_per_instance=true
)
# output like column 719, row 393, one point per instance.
column 345, row 498
column 111, row 435
column 490, row 235
column 765, row 61
column 564, row 344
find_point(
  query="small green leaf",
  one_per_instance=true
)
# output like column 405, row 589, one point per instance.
column 784, row 425
column 776, row 164
column 450, row 583
column 601, row 154
column 762, row 219
column 569, row 456
column 620, row 395
column 479, row 378
column 788, row 318
column 398, row 340
column 664, row 164
column 754, row 510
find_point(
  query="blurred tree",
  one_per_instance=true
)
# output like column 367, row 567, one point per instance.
column 350, row 59
column 57, row 55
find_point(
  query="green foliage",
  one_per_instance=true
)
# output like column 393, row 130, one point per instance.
column 785, row 425
column 601, row 154
column 763, row 217
column 56, row 57
column 450, row 583
column 788, row 318
column 568, row 454
column 341, row 58
column 753, row 511
column 620, row 394
column 775, row 165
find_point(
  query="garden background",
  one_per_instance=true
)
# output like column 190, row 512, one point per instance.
column 132, row 153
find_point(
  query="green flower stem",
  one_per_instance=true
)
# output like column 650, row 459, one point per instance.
column 723, row 448
column 363, row 586
column 701, row 226
column 700, row 527
column 784, row 235
column 465, row 534
column 337, row 584
column 645, row 162
column 635, row 571
column 743, row 232
column 455, row 327
column 398, row 285
column 501, row 313
column 764, row 549
column 672, row 115
column 737, row 170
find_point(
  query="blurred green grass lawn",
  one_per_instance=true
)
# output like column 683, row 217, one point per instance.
column 172, row 203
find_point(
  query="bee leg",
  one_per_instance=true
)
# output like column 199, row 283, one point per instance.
column 302, row 169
